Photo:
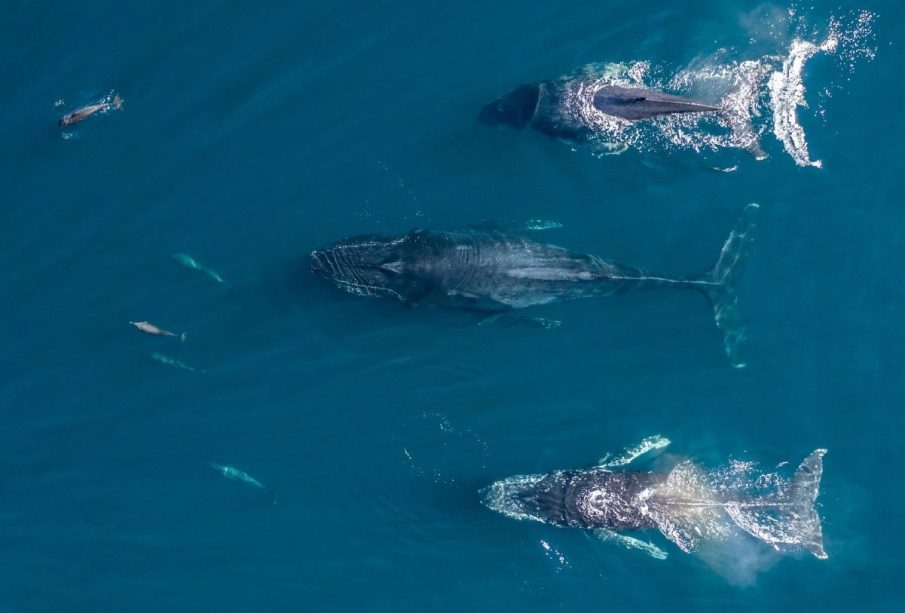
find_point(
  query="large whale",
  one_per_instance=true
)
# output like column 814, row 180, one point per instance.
column 537, row 105
column 692, row 507
column 493, row 270
column 595, row 104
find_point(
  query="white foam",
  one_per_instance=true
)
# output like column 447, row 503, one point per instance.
column 755, row 95
column 787, row 94
column 695, row 507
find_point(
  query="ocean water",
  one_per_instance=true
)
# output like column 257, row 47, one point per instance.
column 252, row 134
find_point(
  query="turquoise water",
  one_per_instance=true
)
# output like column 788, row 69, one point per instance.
column 253, row 134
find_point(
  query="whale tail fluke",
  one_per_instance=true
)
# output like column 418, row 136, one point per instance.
column 720, row 289
column 804, row 491
column 698, row 509
column 790, row 519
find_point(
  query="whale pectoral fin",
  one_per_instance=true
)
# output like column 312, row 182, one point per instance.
column 630, row 543
column 649, row 444
column 610, row 148
column 490, row 319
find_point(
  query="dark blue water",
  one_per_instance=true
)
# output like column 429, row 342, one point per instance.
column 252, row 134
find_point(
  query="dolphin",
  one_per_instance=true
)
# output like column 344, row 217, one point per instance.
column 112, row 102
column 492, row 270
column 692, row 507
column 149, row 328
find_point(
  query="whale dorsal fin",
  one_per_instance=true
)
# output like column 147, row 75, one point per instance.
column 647, row 445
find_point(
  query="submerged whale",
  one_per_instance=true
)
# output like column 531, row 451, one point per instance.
column 493, row 270
column 598, row 104
column 692, row 507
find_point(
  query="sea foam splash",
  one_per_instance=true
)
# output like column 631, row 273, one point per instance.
column 787, row 94
column 750, row 92
column 694, row 506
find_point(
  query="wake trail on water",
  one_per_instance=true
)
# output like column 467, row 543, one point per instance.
column 756, row 96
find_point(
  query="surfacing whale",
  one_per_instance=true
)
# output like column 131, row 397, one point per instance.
column 523, row 106
column 595, row 104
column 493, row 270
column 695, row 508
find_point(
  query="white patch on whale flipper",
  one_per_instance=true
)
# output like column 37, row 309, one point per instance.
column 630, row 542
column 648, row 444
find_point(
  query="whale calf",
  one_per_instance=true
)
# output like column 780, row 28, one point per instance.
column 692, row 507
column 493, row 270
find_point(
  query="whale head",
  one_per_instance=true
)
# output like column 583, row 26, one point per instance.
column 525, row 497
column 515, row 109
column 367, row 265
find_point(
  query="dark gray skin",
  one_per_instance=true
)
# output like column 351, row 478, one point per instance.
column 688, row 505
column 484, row 270
column 493, row 271
column 586, row 499
column 540, row 106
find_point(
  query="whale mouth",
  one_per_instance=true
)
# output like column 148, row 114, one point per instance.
column 335, row 266
column 339, row 267
column 514, row 497
column 326, row 263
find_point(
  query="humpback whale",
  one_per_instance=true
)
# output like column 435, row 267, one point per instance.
column 493, row 270
column 692, row 507
column 599, row 104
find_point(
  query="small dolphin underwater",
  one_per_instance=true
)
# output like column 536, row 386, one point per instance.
column 695, row 508
column 493, row 270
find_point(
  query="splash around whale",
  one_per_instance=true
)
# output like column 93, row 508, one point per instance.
column 695, row 508
column 493, row 270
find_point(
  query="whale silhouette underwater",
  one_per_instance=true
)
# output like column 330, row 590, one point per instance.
column 493, row 270
column 692, row 507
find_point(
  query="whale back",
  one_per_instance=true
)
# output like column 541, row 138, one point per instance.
column 633, row 103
